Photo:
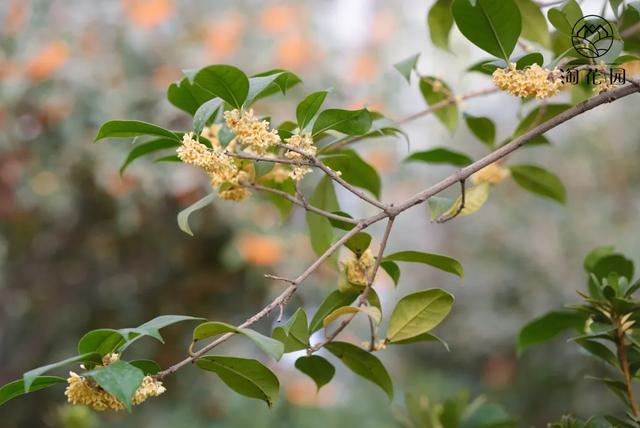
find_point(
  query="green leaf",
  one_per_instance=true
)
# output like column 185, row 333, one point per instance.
column 438, row 206
column 563, row 19
column 342, row 225
column 418, row 313
column 148, row 367
column 317, row 368
column 334, row 300
column 447, row 115
column 441, row 155
column 294, row 334
column 148, row 147
column 224, row 81
column 272, row 347
column 483, row 128
column 355, row 170
column 349, row 122
column 119, row 379
column 320, row 230
column 372, row 312
column 595, row 255
column 492, row 25
column 359, row 243
column 30, row 376
column 438, row 261
column 283, row 82
column 440, row 21
column 406, row 66
column 613, row 263
column 534, row 24
column 539, row 115
column 308, row 108
column 102, row 341
column 392, row 269
column 183, row 216
column 363, row 364
column 204, row 113
column 186, row 96
column 424, row 337
column 598, row 350
column 540, row 181
column 474, row 199
column 132, row 128
column 549, row 326
column 259, row 85
column 16, row 388
column 245, row 376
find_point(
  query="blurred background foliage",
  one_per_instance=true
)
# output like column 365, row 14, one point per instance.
column 82, row 247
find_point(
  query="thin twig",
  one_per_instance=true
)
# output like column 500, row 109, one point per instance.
column 463, row 197
column 624, row 367
column 302, row 203
column 335, row 176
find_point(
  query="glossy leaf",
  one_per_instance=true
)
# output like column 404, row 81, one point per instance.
column 548, row 327
column 359, row 243
column 119, row 379
column 317, row 368
column 271, row 347
column 16, row 388
column 102, row 341
column 342, row 225
column 406, row 66
column 148, row 147
column 563, row 19
column 440, row 21
column 283, row 82
column 418, row 313
column 132, row 128
column 475, row 197
column 30, row 376
column 355, row 171
column 483, row 128
column 424, row 337
column 610, row 263
column 224, row 81
column 363, row 364
column 492, row 25
column 441, row 155
column 204, row 113
column 438, row 206
column 294, row 334
column 349, row 122
column 245, row 376
column 308, row 107
column 534, row 24
column 392, row 269
column 539, row 181
column 437, row 94
column 183, row 216
column 187, row 96
column 148, row 367
column 320, row 230
column 539, row 115
column 438, row 261
column 334, row 300
column 372, row 312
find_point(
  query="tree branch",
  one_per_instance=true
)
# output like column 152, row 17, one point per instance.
column 392, row 211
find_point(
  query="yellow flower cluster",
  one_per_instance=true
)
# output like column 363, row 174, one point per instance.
column 492, row 174
column 604, row 85
column 359, row 270
column 82, row 390
column 533, row 80
column 223, row 169
column 304, row 143
column 250, row 131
